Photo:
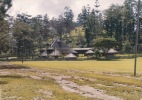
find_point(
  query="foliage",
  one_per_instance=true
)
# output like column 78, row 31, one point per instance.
column 105, row 43
column 4, row 26
column 78, row 37
column 23, row 34
column 97, row 53
column 64, row 24
column 68, row 19
column 140, row 48
column 127, row 48
column 87, row 18
column 118, row 23
column 4, row 7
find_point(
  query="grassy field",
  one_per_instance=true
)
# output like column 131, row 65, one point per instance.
column 61, row 80
column 120, row 65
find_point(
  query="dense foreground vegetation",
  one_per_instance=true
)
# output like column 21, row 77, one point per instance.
column 66, row 80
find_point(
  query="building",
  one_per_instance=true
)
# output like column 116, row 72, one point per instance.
column 63, row 49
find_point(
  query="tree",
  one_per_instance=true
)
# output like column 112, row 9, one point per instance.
column 57, row 27
column 64, row 24
column 113, row 24
column 78, row 37
column 4, row 7
column 68, row 19
column 46, row 26
column 23, row 32
column 105, row 43
column 39, row 31
column 119, row 23
column 4, row 27
column 127, row 48
column 130, row 20
column 87, row 18
column 45, row 30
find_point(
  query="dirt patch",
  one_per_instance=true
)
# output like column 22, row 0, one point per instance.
column 83, row 78
column 124, row 85
column 85, row 90
column 104, row 85
column 69, row 86
column 7, row 65
column 36, row 77
column 46, row 93
column 12, row 98
column 4, row 73
column 37, row 98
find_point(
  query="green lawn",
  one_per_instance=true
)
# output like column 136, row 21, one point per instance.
column 114, row 77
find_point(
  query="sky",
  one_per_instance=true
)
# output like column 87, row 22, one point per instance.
column 54, row 8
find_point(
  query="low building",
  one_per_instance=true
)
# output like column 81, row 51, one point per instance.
column 55, row 54
column 44, row 54
column 81, row 50
column 111, row 52
column 70, row 56
column 89, row 53
column 62, row 47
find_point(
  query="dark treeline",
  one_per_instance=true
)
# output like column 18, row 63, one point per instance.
column 26, row 36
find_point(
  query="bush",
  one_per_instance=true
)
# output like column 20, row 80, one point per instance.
column 127, row 48
column 140, row 48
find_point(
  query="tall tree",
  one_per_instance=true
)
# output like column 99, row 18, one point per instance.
column 130, row 20
column 118, row 25
column 39, row 33
column 46, row 31
column 4, row 27
column 87, row 18
column 59, row 26
column 23, row 34
column 68, row 19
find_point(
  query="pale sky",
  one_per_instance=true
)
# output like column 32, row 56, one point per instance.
column 55, row 7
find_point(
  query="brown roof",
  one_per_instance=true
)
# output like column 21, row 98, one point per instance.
column 81, row 50
column 76, row 49
column 112, row 51
column 61, row 46
column 89, row 52
column 44, row 54
column 73, row 51
column 70, row 55
column 55, row 53
column 101, row 51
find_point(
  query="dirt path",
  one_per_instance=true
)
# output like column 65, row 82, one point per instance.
column 85, row 90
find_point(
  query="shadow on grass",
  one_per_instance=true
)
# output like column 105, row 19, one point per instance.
column 107, row 59
column 3, row 82
column 10, row 76
column 13, row 67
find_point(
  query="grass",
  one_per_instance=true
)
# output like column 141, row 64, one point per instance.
column 24, row 88
column 128, row 89
column 114, row 77
column 122, row 65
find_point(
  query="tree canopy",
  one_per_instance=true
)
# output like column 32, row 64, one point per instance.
column 114, row 27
